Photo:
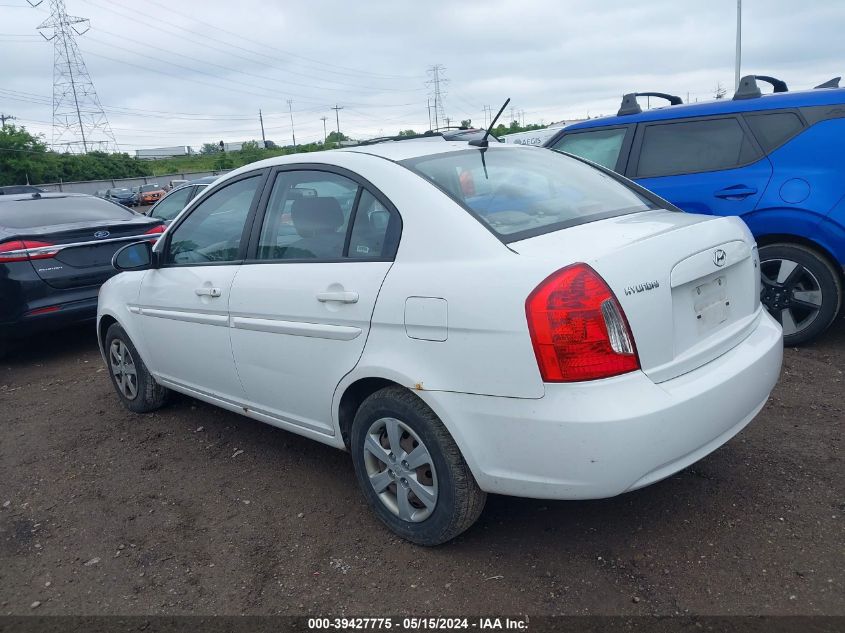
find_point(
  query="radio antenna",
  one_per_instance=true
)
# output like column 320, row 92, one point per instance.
column 482, row 142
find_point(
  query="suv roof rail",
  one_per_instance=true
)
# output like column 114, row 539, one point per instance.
column 748, row 88
column 830, row 83
column 630, row 105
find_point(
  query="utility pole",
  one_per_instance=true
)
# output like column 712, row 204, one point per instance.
column 4, row 118
column 738, row 60
column 337, row 110
column 292, row 132
column 261, row 120
column 437, row 82
column 428, row 104
column 325, row 136
column 78, row 116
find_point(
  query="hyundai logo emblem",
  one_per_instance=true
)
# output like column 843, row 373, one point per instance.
column 101, row 235
column 719, row 257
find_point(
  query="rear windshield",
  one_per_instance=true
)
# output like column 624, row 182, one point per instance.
column 31, row 212
column 519, row 193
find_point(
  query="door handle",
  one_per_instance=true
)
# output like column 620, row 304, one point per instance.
column 208, row 292
column 737, row 192
column 341, row 297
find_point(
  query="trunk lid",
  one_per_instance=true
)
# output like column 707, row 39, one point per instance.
column 85, row 249
column 689, row 284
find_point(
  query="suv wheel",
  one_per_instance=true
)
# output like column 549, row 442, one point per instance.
column 135, row 386
column 801, row 289
column 411, row 471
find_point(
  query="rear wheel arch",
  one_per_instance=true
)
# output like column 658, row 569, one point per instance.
column 790, row 238
column 352, row 398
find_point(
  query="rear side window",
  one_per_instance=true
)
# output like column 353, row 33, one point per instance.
column 694, row 146
column 34, row 212
column 774, row 129
column 521, row 192
column 599, row 146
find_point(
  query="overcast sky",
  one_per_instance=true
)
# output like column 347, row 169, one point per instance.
column 184, row 72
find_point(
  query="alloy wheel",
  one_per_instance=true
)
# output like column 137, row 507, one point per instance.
column 791, row 293
column 400, row 469
column 123, row 369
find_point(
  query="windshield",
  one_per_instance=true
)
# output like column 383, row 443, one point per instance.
column 121, row 192
column 519, row 193
column 147, row 188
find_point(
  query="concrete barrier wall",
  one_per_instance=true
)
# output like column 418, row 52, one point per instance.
column 93, row 186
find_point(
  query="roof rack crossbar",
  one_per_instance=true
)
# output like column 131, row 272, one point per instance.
column 748, row 88
column 630, row 105
column 830, row 83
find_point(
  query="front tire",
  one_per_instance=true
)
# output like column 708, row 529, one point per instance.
column 410, row 470
column 135, row 386
column 801, row 289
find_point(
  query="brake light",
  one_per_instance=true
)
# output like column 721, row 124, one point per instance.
column 155, row 230
column 578, row 328
column 23, row 250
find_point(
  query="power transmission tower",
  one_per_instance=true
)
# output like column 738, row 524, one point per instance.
column 325, row 136
column 292, row 131
column 437, row 82
column 79, row 121
column 4, row 118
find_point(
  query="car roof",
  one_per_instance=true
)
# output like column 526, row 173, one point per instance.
column 771, row 101
column 41, row 196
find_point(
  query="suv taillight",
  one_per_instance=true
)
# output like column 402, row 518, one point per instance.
column 21, row 251
column 578, row 328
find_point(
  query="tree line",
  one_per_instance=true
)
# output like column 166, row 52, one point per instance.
column 26, row 158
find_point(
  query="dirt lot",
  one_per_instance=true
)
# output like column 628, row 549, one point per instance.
column 196, row 510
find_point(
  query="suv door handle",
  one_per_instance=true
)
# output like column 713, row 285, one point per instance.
column 737, row 192
column 208, row 292
column 346, row 296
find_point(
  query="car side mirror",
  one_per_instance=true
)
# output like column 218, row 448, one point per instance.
column 136, row 256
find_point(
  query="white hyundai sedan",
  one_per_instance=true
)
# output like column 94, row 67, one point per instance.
column 462, row 319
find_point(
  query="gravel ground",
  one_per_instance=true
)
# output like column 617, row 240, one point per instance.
column 194, row 510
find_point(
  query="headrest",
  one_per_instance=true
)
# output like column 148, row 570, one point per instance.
column 316, row 216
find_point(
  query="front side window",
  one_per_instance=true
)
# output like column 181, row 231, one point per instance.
column 519, row 192
column 215, row 227
column 599, row 146
column 172, row 204
column 694, row 146
column 307, row 216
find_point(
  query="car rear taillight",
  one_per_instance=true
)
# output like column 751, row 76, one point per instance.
column 23, row 250
column 155, row 230
column 578, row 328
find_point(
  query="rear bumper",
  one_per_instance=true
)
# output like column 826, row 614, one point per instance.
column 603, row 438
column 70, row 312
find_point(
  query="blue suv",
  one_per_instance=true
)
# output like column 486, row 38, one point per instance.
column 777, row 160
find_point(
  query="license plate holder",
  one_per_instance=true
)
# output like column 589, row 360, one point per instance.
column 711, row 302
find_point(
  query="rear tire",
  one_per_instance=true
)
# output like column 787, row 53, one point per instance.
column 801, row 289
column 135, row 386
column 410, row 470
